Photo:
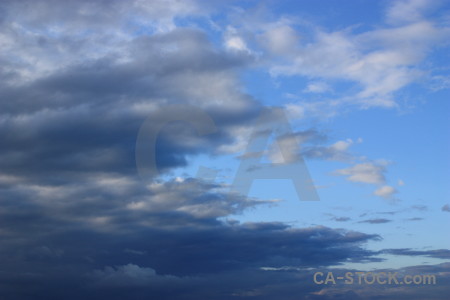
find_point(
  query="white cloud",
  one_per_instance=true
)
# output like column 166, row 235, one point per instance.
column 370, row 173
column 365, row 173
column 337, row 151
column 285, row 150
column 317, row 87
column 342, row 145
column 193, row 197
column 406, row 11
column 233, row 41
column 162, row 13
column 280, row 40
column 236, row 43
column 322, row 110
column 378, row 62
column 385, row 191
column 295, row 111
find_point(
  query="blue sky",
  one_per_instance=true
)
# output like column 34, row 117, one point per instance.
column 86, row 85
column 409, row 136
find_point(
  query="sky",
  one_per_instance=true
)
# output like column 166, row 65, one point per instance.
column 223, row 149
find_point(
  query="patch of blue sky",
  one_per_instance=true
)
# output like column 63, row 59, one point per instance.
column 409, row 140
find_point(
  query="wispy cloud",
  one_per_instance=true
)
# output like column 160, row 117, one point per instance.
column 441, row 253
column 376, row 221
column 380, row 62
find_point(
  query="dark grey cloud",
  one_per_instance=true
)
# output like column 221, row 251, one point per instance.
column 388, row 212
column 376, row 221
column 446, row 207
column 72, row 103
column 440, row 253
column 341, row 219
column 78, row 110
column 158, row 244
column 85, row 116
column 170, row 217
column 415, row 219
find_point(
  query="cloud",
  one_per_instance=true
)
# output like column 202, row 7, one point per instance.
column 158, row 15
column 415, row 219
column 317, row 87
column 389, row 291
column 234, row 42
column 440, row 253
column 127, row 275
column 407, row 11
column 194, row 197
column 446, row 208
column 377, row 63
column 419, row 207
column 376, row 221
column 288, row 147
column 385, row 191
column 84, row 115
column 364, row 172
column 311, row 144
column 77, row 222
column 79, row 236
column 368, row 172
column 91, row 236
column 341, row 219
column 280, row 40
column 337, row 151
column 286, row 281
column 388, row 212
